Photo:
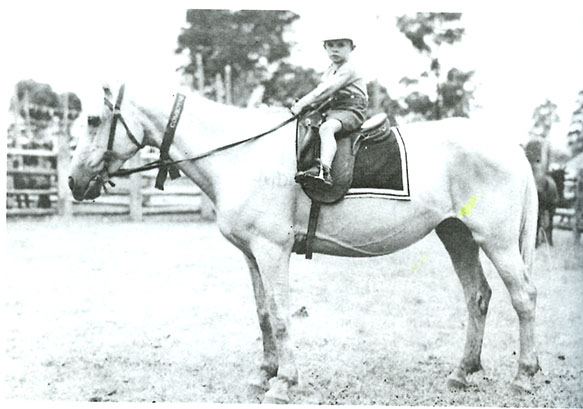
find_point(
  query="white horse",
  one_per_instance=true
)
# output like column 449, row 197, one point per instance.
column 476, row 192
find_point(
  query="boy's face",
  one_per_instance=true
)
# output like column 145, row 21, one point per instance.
column 338, row 50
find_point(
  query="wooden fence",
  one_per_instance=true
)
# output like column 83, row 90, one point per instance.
column 37, row 185
column 37, row 179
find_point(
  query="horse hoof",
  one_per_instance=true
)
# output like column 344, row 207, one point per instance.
column 457, row 381
column 456, row 384
column 521, row 386
column 275, row 400
column 277, row 394
column 260, row 381
column 257, row 386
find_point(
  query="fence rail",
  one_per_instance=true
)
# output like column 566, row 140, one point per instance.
column 37, row 180
column 37, row 186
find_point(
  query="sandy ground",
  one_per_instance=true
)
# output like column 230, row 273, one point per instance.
column 106, row 310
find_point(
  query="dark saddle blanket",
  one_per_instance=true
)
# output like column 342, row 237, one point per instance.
column 370, row 161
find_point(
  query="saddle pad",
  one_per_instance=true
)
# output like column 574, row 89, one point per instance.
column 381, row 169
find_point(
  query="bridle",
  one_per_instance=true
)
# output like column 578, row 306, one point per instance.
column 165, row 164
column 103, row 177
column 109, row 153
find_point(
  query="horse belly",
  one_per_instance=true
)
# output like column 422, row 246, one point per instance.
column 366, row 227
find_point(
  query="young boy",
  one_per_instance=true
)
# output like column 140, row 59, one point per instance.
column 347, row 108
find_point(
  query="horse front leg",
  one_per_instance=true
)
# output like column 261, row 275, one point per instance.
column 273, row 261
column 269, row 366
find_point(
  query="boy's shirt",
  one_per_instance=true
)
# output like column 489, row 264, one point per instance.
column 335, row 78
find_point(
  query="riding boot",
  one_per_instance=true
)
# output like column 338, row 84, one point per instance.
column 318, row 175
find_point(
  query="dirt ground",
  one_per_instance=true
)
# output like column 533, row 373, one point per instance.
column 106, row 310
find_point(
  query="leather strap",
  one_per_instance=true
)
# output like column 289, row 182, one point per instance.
column 165, row 166
column 312, row 226
column 115, row 117
column 118, row 116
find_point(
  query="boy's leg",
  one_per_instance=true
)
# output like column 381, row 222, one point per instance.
column 321, row 170
column 328, row 140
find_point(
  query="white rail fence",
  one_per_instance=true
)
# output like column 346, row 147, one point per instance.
column 37, row 185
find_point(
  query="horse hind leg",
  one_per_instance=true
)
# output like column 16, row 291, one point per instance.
column 507, row 259
column 551, row 219
column 269, row 366
column 464, row 254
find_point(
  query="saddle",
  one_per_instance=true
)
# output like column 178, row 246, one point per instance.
column 366, row 158
column 370, row 158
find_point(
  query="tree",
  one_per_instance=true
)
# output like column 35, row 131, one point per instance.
column 427, row 32
column 43, row 103
column 575, row 135
column 74, row 105
column 544, row 116
column 247, row 40
column 381, row 101
column 287, row 83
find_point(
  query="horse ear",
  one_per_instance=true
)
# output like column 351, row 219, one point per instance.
column 107, row 90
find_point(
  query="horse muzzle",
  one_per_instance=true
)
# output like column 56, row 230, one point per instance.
column 89, row 191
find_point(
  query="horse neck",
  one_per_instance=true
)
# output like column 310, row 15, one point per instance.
column 538, row 171
column 270, row 157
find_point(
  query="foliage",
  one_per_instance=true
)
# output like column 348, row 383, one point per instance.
column 431, row 25
column 575, row 135
column 381, row 101
column 247, row 40
column 287, row 83
column 40, row 102
column 453, row 95
column 544, row 116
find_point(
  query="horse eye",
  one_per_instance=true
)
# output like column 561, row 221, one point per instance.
column 93, row 121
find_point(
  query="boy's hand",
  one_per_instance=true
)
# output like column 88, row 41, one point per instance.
column 295, row 109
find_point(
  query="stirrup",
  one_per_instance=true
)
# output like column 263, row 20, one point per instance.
column 318, row 176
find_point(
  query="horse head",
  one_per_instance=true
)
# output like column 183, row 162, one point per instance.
column 105, row 146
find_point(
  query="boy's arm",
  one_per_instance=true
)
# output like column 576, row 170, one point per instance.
column 325, row 89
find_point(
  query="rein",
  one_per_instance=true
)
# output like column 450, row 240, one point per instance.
column 165, row 164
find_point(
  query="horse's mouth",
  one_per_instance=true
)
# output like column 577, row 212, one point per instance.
column 94, row 188
column 92, row 191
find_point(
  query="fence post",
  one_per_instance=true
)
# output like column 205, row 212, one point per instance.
column 219, row 89
column 228, row 92
column 578, row 216
column 200, row 73
column 65, row 199
column 136, row 210
column 206, row 206
column 207, row 210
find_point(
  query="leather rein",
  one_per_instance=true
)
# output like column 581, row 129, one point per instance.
column 165, row 164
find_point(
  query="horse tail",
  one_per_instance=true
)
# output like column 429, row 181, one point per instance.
column 528, row 225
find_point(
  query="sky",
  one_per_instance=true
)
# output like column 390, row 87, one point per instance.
column 521, row 55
